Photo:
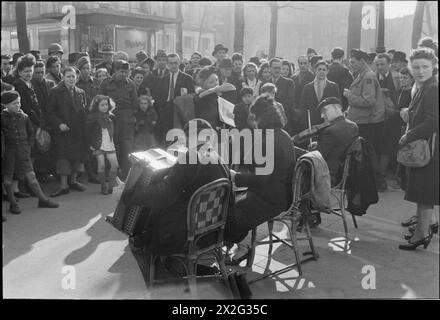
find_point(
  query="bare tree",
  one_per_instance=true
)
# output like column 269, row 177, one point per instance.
column 239, row 27
column 202, row 26
column 179, row 29
column 20, row 15
column 417, row 23
column 354, row 25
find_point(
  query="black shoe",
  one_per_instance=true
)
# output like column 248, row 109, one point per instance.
column 77, row 186
column 22, row 195
column 48, row 204
column 94, row 180
column 434, row 228
column 413, row 245
column 409, row 222
column 408, row 236
column 14, row 209
column 59, row 192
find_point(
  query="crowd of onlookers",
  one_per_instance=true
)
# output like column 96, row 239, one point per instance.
column 89, row 117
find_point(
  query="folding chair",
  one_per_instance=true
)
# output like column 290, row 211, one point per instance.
column 206, row 215
column 300, row 200
column 339, row 191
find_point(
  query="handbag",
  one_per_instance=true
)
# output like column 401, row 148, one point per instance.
column 416, row 154
column 43, row 140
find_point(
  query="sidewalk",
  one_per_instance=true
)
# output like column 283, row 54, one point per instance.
column 38, row 243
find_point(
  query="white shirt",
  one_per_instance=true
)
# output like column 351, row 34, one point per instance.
column 323, row 84
column 106, row 144
column 175, row 79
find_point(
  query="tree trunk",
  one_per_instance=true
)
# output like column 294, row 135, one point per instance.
column 417, row 24
column 202, row 24
column 354, row 25
column 273, row 28
column 179, row 29
column 20, row 14
column 239, row 27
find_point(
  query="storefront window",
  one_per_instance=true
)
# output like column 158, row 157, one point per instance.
column 46, row 37
column 131, row 40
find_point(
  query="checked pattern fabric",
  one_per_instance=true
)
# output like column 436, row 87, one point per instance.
column 208, row 209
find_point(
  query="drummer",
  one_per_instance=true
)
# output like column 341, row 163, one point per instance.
column 335, row 138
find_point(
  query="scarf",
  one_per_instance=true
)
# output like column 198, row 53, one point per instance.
column 103, row 119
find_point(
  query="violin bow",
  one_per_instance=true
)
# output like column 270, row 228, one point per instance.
column 310, row 125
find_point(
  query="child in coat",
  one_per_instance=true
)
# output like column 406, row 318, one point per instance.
column 146, row 119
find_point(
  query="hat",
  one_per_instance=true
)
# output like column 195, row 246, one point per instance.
column 360, row 54
column 399, row 56
column 255, row 60
column 73, row 57
column 160, row 54
column 15, row 57
column 337, row 53
column 6, row 56
column 9, row 96
column 107, row 48
column 204, row 62
column 149, row 61
column 36, row 54
column 55, row 47
column 82, row 62
column 310, row 50
column 141, row 55
column 197, row 53
column 122, row 65
column 328, row 101
column 225, row 63
column 219, row 47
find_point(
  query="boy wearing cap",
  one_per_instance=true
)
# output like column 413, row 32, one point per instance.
column 219, row 54
column 19, row 137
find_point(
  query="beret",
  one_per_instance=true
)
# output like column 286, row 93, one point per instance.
column 9, row 96
column 328, row 101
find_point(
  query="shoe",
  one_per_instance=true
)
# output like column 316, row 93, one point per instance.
column 409, row 222
column 48, row 204
column 315, row 219
column 413, row 245
column 14, row 209
column 22, row 195
column 434, row 228
column 93, row 180
column 77, row 186
column 59, row 192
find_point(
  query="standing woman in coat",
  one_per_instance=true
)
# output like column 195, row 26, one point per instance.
column 53, row 68
column 67, row 114
column 422, row 183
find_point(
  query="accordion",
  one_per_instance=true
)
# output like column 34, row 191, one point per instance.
column 128, row 218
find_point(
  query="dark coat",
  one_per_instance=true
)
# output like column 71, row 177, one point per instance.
column 300, row 80
column 29, row 103
column 155, row 73
column 17, row 128
column 42, row 90
column 332, row 143
column 286, row 96
column 71, row 144
column 90, row 87
column 123, row 93
column 423, row 183
column 388, row 83
column 207, row 108
column 340, row 75
column 241, row 113
column 232, row 96
column 144, row 133
column 267, row 195
column 110, row 68
column 309, row 101
column 361, row 185
column 165, row 230
column 93, row 132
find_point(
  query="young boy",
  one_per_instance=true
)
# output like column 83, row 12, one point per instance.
column 271, row 90
column 19, row 136
column 146, row 119
column 241, row 110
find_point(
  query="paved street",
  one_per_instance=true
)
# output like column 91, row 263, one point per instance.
column 38, row 243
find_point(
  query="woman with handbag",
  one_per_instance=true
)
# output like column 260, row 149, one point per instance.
column 422, row 134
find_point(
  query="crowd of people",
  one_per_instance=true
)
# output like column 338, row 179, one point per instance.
column 63, row 121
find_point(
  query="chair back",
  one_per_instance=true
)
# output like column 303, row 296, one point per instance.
column 208, row 210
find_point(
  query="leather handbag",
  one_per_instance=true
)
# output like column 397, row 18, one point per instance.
column 416, row 154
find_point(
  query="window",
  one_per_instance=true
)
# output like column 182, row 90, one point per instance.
column 187, row 42
column 205, row 44
column 46, row 37
column 169, row 42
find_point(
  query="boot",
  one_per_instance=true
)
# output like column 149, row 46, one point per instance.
column 13, row 206
column 111, row 181
column 101, row 178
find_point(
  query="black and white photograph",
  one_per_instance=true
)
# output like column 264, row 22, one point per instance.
column 237, row 153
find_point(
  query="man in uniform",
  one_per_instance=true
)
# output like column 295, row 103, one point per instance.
column 123, row 92
column 107, row 57
column 366, row 107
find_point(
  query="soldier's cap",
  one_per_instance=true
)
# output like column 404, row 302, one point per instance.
column 141, row 55
column 9, row 96
column 399, row 56
column 122, row 65
column 328, row 101
column 310, row 50
column 82, row 62
column 225, row 64
column 358, row 54
column 219, row 47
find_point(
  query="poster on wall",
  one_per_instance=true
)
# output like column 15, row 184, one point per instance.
column 131, row 41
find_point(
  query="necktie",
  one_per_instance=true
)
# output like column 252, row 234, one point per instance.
column 171, row 95
column 71, row 94
column 319, row 90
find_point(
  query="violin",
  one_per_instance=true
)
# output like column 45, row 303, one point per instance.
column 310, row 133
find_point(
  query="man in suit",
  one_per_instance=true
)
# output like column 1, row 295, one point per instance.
column 337, row 137
column 302, row 78
column 316, row 91
column 339, row 73
column 161, row 65
column 176, row 83
column 219, row 54
column 285, row 94
column 107, row 59
column 6, row 65
column 225, row 75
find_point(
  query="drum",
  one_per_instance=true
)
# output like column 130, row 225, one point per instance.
column 127, row 218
